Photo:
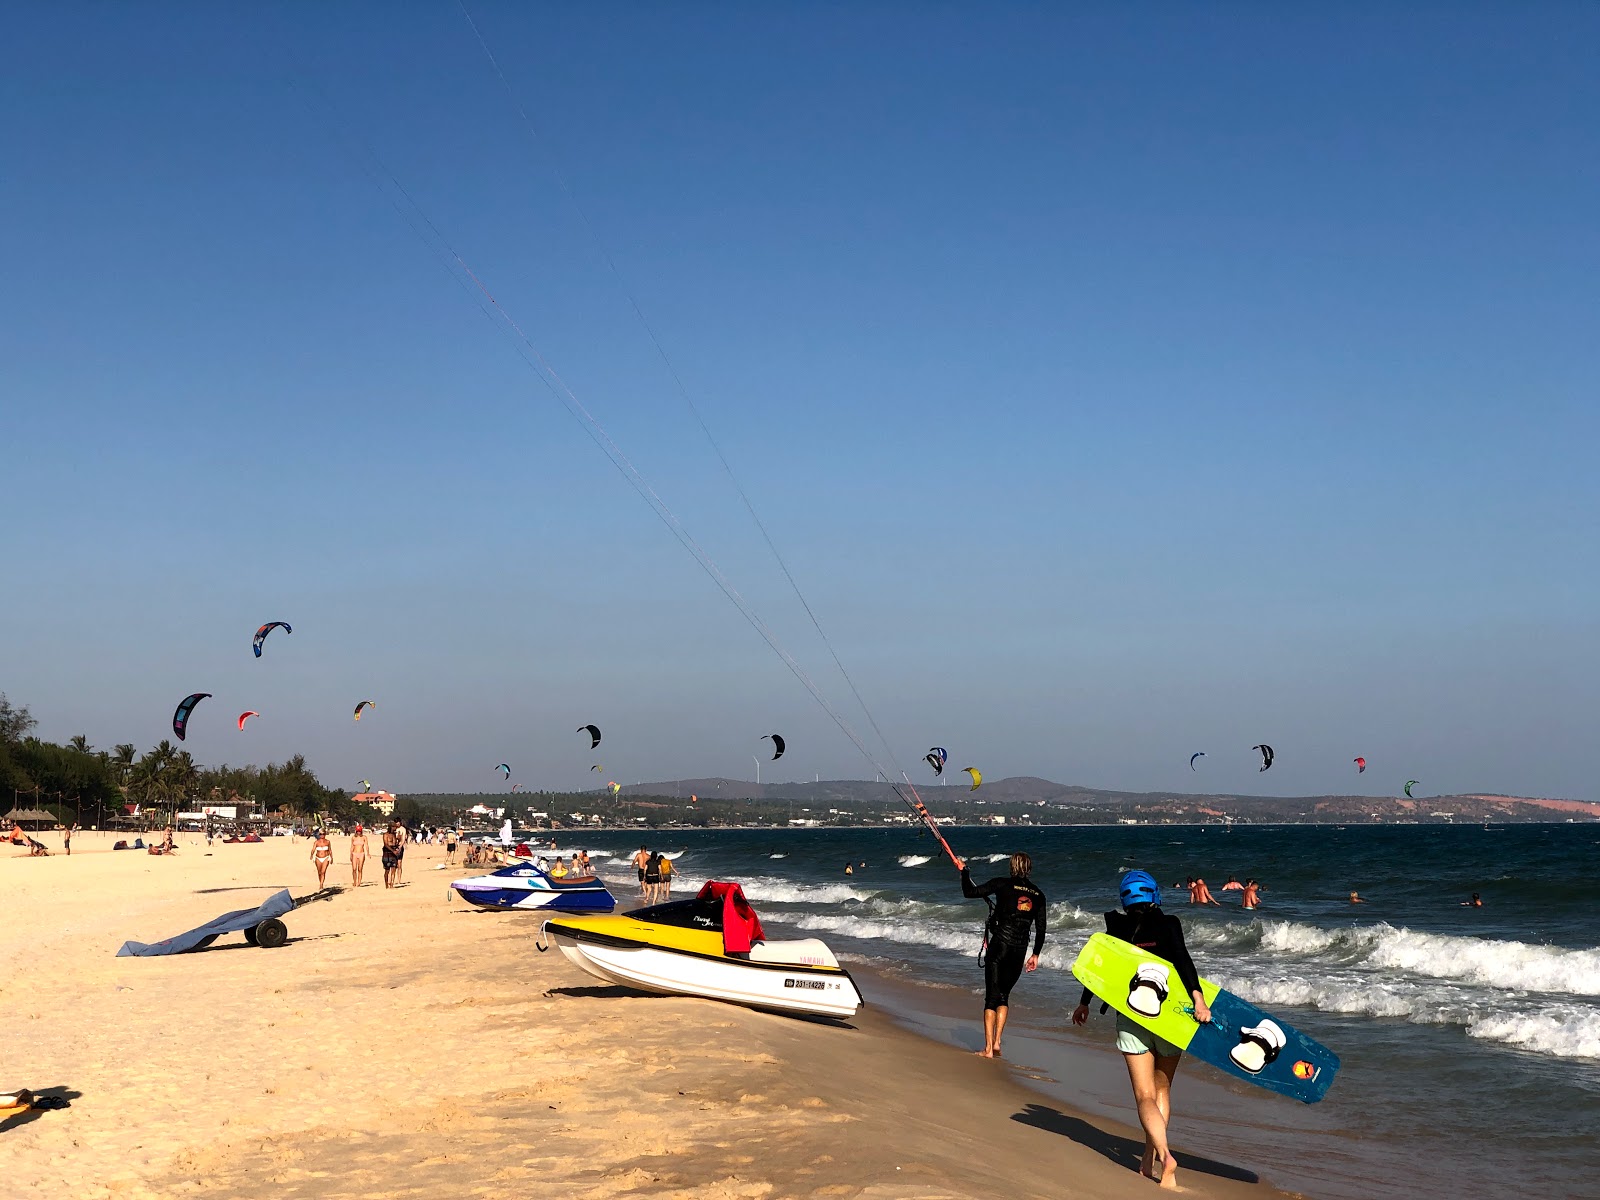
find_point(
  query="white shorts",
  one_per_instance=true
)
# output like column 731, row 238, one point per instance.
column 1133, row 1038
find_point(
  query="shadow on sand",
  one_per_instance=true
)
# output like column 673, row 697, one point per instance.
column 1123, row 1151
column 28, row 1115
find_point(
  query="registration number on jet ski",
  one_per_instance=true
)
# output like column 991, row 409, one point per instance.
column 817, row 984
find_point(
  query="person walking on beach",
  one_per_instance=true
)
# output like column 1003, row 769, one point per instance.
column 1152, row 1061
column 1016, row 908
column 450, row 845
column 66, row 842
column 652, row 877
column 322, row 857
column 358, row 855
column 639, row 860
column 665, row 891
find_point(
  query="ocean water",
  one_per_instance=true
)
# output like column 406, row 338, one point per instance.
column 1470, row 1037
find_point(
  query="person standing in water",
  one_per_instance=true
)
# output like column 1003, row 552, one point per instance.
column 1252, row 894
column 1152, row 1061
column 1016, row 907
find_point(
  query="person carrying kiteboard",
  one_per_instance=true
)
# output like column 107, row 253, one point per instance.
column 1152, row 1061
column 1016, row 909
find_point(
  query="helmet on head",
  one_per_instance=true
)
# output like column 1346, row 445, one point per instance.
column 1139, row 887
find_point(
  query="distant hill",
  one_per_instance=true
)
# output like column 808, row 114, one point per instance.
column 1055, row 803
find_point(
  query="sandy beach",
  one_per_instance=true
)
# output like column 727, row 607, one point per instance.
column 403, row 1044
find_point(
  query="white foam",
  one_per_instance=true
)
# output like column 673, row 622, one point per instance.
column 777, row 856
column 909, row 933
column 914, row 860
column 1562, row 1031
column 1519, row 966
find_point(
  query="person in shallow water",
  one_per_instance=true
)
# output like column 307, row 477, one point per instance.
column 1475, row 902
column 1152, row 1061
column 1016, row 907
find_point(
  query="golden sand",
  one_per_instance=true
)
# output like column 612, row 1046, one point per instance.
column 405, row 1045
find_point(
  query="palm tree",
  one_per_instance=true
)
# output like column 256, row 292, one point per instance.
column 80, row 743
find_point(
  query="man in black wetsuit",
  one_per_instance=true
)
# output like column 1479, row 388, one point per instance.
column 1016, row 907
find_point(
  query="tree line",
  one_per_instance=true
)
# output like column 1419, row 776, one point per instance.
column 77, row 783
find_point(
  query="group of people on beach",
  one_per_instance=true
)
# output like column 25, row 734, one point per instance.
column 655, row 875
column 1013, row 940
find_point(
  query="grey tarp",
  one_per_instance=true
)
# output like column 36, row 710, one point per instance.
column 233, row 922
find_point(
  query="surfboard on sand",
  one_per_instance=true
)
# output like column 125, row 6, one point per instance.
column 1240, row 1039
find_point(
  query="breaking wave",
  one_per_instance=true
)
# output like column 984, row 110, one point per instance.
column 914, row 860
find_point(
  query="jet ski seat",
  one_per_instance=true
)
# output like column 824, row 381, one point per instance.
column 809, row 952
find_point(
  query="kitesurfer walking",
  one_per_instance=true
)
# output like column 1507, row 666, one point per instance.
column 1152, row 1061
column 1016, row 907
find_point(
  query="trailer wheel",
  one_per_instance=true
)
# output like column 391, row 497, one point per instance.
column 250, row 935
column 271, row 933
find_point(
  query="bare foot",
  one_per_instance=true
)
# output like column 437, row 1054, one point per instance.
column 1147, row 1164
column 985, row 1053
column 1169, row 1172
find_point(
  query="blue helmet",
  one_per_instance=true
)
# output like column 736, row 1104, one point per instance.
column 1139, row 887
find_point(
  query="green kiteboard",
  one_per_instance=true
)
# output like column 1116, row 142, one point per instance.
column 1240, row 1039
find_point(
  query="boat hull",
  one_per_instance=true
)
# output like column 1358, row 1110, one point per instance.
column 674, row 962
column 526, row 887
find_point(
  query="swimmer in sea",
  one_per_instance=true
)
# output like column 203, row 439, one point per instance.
column 1475, row 902
column 1152, row 1061
column 1016, row 908
column 1355, row 898
column 1233, row 885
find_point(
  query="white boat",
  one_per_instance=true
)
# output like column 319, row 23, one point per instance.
column 711, row 946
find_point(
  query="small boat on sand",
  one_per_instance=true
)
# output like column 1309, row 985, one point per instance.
column 524, row 885
column 711, row 946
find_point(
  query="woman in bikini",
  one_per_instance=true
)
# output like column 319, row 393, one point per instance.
column 322, row 856
column 358, row 856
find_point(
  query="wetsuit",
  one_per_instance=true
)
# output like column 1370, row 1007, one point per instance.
column 1015, row 908
column 1148, row 928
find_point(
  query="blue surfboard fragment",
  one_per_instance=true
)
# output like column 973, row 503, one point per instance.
column 230, row 922
column 1301, row 1068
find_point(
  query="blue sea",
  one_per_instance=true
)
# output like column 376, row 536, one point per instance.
column 1470, row 1037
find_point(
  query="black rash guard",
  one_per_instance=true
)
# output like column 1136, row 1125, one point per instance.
column 1017, row 905
column 1148, row 928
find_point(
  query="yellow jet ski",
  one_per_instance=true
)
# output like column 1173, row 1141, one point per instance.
column 712, row 946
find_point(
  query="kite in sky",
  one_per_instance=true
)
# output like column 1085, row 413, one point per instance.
column 594, row 733
column 261, row 634
column 1266, row 756
column 180, row 718
column 364, row 704
column 1192, row 757
column 1361, row 766
column 506, row 767
column 777, row 744
column 936, row 757
column 977, row 777
column 245, row 716
column 1410, row 783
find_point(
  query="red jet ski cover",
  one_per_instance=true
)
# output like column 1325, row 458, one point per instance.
column 741, row 928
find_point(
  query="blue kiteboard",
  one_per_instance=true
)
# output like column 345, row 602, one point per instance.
column 1239, row 1040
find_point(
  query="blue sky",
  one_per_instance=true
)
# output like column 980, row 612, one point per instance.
column 1118, row 383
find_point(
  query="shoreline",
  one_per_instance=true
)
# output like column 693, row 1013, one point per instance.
column 404, row 1038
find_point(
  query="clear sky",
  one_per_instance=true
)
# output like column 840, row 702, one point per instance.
column 1118, row 381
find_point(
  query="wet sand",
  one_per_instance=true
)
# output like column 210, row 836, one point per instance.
column 405, row 1045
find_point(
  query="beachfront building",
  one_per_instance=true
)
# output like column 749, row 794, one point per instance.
column 380, row 800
